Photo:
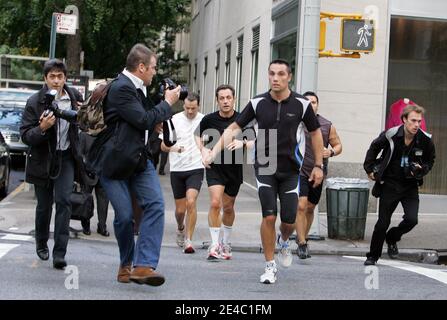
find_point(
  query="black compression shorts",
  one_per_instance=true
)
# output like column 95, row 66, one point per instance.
column 307, row 190
column 181, row 181
column 229, row 176
column 284, row 185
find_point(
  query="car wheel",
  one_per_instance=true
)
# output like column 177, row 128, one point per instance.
column 4, row 188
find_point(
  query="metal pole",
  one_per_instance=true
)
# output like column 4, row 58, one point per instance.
column 308, row 62
column 308, row 80
column 53, row 37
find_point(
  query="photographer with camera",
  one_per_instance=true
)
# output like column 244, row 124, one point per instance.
column 53, row 158
column 408, row 154
column 122, row 160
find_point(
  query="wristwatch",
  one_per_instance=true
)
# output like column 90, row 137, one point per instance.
column 321, row 166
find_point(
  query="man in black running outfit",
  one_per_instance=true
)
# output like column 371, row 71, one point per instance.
column 282, row 112
column 224, row 177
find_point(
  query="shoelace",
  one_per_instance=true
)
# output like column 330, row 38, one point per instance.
column 284, row 245
column 270, row 267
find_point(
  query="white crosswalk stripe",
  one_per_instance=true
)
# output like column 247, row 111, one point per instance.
column 435, row 274
column 6, row 247
column 16, row 237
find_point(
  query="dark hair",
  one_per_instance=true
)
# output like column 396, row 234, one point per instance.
column 283, row 62
column 138, row 54
column 409, row 109
column 192, row 96
column 54, row 65
column 225, row 87
column 312, row 94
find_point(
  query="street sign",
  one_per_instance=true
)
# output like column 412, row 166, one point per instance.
column 66, row 23
column 357, row 35
column 80, row 83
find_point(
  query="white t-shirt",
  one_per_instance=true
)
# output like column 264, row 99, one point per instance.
column 190, row 158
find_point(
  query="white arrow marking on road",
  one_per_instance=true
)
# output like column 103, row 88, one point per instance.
column 17, row 237
column 438, row 275
column 5, row 248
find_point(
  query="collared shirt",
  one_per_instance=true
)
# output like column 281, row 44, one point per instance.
column 63, row 142
column 284, row 118
column 139, row 84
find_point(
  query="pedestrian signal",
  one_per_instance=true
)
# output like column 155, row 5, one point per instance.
column 357, row 35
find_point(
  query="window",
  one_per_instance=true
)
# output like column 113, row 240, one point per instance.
column 285, row 30
column 194, row 83
column 216, row 79
column 254, row 62
column 227, row 63
column 190, row 73
column 418, row 71
column 240, row 50
column 205, row 71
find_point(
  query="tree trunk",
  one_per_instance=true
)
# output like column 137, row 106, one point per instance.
column 74, row 45
column 73, row 53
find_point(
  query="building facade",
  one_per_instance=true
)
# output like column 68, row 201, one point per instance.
column 234, row 41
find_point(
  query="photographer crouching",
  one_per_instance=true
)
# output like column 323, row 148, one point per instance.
column 408, row 154
column 52, row 159
column 120, row 157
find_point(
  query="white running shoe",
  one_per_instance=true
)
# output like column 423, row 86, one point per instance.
column 269, row 275
column 188, row 248
column 226, row 252
column 180, row 238
column 285, row 254
column 214, row 253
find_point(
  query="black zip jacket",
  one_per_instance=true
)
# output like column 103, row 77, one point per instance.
column 42, row 146
column 422, row 152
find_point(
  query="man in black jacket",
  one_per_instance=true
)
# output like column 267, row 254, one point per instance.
column 121, row 159
column 52, row 160
column 408, row 154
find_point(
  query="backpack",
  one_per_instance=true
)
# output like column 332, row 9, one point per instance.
column 90, row 114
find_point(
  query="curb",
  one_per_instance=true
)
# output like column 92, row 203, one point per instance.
column 14, row 193
column 409, row 255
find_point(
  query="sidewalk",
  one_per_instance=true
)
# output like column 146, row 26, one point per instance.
column 426, row 243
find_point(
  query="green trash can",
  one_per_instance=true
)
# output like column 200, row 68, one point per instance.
column 347, row 206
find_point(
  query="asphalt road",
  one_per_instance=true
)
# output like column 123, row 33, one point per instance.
column 93, row 266
column 17, row 174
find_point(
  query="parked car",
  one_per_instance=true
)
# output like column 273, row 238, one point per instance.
column 19, row 96
column 10, row 120
column 12, row 105
column 5, row 161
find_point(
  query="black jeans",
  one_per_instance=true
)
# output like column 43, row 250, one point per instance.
column 59, row 191
column 102, row 205
column 388, row 202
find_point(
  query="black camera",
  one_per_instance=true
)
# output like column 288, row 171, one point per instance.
column 171, row 85
column 51, row 106
column 416, row 170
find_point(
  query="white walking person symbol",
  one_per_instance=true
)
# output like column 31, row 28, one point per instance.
column 364, row 33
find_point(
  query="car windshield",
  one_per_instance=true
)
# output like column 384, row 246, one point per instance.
column 10, row 116
column 16, row 96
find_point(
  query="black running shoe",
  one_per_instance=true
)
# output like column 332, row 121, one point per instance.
column 302, row 251
column 393, row 251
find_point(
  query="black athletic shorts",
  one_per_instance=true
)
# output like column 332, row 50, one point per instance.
column 229, row 176
column 307, row 190
column 284, row 185
column 181, row 181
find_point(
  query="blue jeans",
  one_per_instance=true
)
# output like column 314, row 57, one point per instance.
column 146, row 187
